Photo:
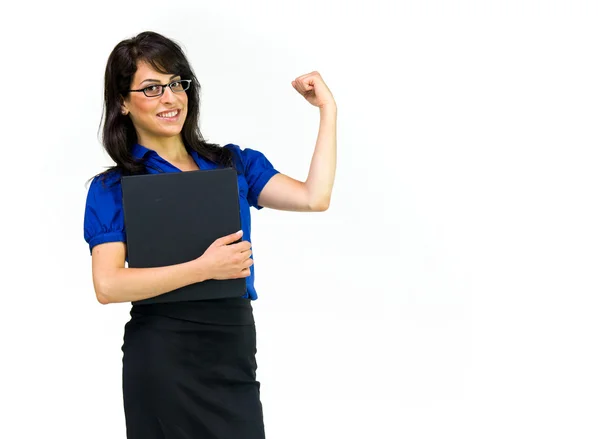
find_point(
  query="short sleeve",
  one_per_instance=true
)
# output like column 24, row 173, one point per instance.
column 103, row 219
column 257, row 170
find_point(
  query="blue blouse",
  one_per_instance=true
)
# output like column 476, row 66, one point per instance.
column 104, row 221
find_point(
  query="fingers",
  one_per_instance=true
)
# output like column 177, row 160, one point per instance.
column 301, row 87
column 245, row 269
column 245, row 254
column 243, row 259
column 244, row 273
column 305, row 82
column 227, row 239
column 302, row 78
column 241, row 246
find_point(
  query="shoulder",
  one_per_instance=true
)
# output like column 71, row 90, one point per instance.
column 106, row 183
column 249, row 158
column 104, row 191
column 103, row 218
column 257, row 170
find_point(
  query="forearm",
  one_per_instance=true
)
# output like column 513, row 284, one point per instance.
column 132, row 284
column 321, row 174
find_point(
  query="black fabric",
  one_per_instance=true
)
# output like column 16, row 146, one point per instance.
column 192, row 378
column 237, row 311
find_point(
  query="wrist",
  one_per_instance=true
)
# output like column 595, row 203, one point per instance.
column 329, row 107
column 199, row 270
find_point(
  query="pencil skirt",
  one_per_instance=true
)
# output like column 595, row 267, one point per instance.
column 185, row 379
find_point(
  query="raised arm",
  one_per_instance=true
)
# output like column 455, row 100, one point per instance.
column 314, row 194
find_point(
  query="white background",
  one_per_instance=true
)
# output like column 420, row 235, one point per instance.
column 451, row 290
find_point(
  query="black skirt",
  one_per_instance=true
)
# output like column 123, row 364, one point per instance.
column 189, row 371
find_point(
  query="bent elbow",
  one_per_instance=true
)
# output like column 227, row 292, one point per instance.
column 102, row 299
column 102, row 293
column 321, row 206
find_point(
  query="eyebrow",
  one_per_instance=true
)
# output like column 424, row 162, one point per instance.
column 157, row 81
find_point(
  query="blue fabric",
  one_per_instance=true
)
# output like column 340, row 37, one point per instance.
column 104, row 220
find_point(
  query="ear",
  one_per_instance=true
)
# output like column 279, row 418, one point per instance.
column 124, row 107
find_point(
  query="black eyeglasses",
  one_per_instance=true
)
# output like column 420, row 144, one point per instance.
column 155, row 90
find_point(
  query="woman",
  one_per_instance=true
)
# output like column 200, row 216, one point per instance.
column 189, row 369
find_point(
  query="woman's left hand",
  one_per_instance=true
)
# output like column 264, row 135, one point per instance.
column 314, row 90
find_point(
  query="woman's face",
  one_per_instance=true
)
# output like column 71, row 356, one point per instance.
column 155, row 117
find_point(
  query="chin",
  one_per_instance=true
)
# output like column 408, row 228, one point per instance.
column 168, row 133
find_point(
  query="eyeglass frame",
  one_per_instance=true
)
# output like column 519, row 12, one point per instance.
column 164, row 87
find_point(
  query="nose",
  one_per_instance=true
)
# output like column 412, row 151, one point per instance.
column 168, row 95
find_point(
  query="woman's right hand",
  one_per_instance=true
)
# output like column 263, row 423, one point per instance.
column 225, row 260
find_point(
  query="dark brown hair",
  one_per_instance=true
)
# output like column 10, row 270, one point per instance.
column 118, row 132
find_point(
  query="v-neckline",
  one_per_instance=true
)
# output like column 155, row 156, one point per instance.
column 179, row 169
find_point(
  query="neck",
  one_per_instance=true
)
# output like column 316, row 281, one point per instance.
column 171, row 149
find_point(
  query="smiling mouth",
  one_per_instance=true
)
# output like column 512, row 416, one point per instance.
column 169, row 115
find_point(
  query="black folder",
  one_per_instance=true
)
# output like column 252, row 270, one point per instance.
column 171, row 218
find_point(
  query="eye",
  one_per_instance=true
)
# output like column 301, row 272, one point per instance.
column 177, row 86
column 153, row 88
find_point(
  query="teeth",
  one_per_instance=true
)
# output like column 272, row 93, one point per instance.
column 169, row 114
